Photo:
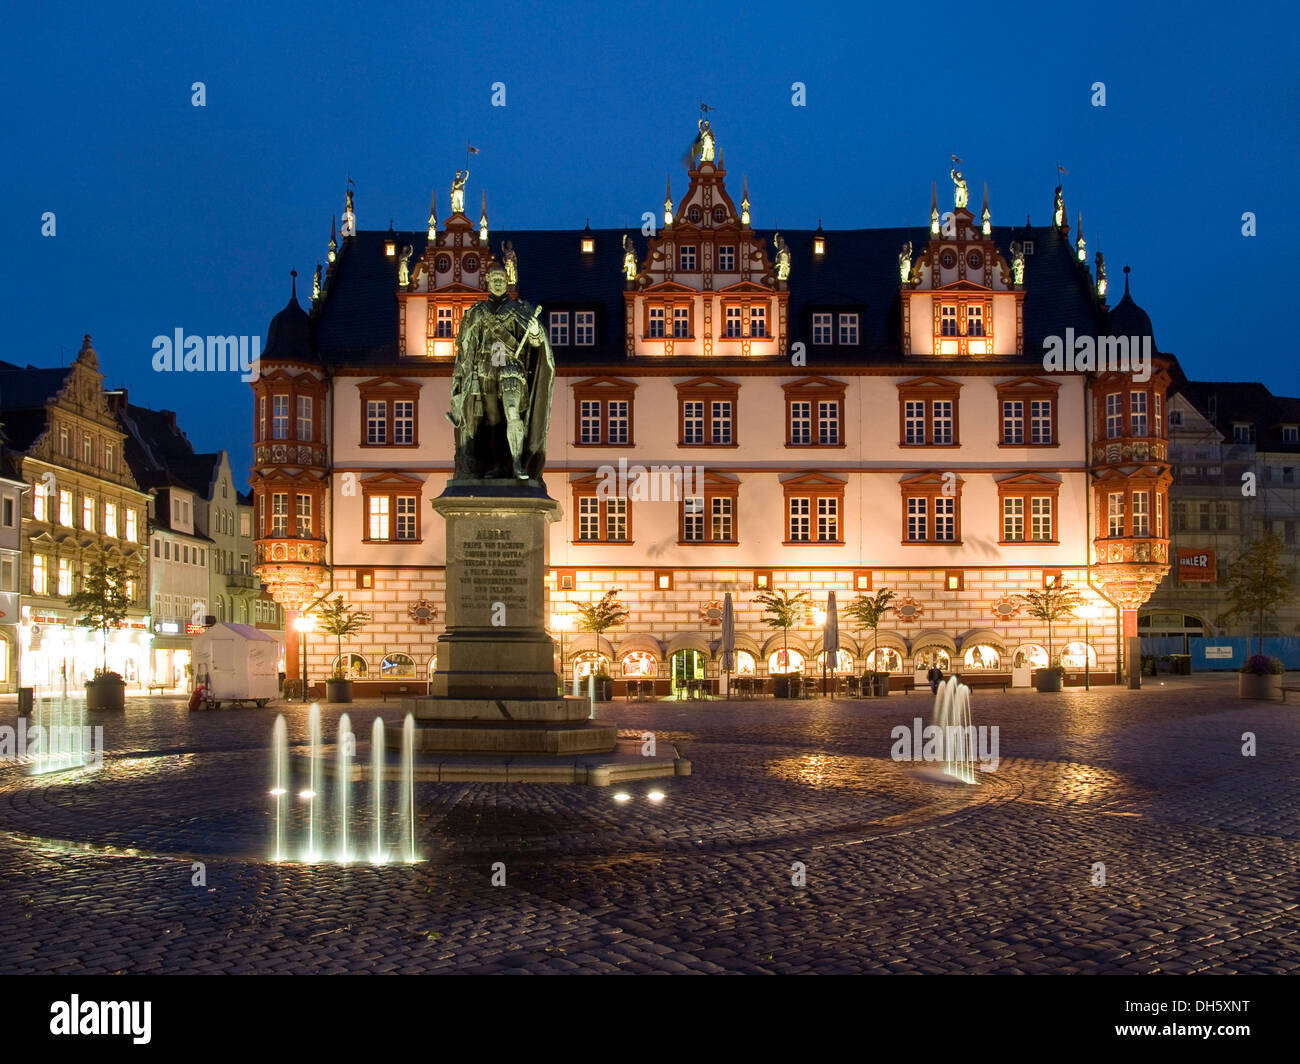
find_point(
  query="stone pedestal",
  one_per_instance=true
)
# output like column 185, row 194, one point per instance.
column 494, row 691
column 496, row 644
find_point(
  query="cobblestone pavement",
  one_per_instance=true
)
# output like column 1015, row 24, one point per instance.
column 905, row 873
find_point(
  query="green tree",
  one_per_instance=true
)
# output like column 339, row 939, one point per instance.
column 338, row 619
column 596, row 617
column 102, row 600
column 1257, row 583
column 784, row 610
column 868, row 611
column 1056, row 602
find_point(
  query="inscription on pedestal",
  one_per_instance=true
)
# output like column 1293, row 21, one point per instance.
column 493, row 569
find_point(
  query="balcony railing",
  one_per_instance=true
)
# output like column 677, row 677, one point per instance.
column 290, row 549
column 1137, row 551
column 242, row 580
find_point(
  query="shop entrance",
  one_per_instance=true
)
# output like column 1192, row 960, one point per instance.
column 688, row 665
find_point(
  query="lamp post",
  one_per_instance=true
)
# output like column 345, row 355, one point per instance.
column 303, row 625
column 1089, row 612
column 560, row 622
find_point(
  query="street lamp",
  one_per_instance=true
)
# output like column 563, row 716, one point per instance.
column 560, row 622
column 303, row 625
column 1089, row 612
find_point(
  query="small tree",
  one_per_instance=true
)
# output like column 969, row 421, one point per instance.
column 783, row 610
column 1056, row 602
column 596, row 617
column 868, row 611
column 1257, row 583
column 102, row 601
column 338, row 619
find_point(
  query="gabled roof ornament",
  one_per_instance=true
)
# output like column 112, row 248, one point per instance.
column 668, row 202
column 934, row 208
column 960, row 193
column 744, row 201
column 433, row 215
column 1101, row 276
column 987, row 227
column 315, row 286
column 483, row 222
column 334, row 244
column 1080, row 243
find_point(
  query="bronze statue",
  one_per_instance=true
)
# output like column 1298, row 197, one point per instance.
column 511, row 261
column 501, row 388
column 782, row 258
column 629, row 259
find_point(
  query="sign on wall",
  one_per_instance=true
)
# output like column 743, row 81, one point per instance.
column 1196, row 566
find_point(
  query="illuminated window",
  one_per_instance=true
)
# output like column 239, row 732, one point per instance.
column 663, row 579
column 304, row 516
column 261, row 420
column 396, row 667
column 65, row 508
column 65, row 577
column 781, row 662
column 88, row 513
column 110, row 518
column 828, row 520
column 640, row 663
column 351, row 666
column 982, row 656
column 379, row 510
column 40, row 574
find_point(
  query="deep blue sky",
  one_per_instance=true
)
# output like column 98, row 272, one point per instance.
column 174, row 216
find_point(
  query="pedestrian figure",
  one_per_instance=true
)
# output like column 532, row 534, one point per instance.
column 935, row 676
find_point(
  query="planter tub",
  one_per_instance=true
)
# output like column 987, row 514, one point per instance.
column 338, row 690
column 1264, row 686
column 1047, row 681
column 106, row 694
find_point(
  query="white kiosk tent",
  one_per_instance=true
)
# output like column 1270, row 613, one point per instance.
column 237, row 663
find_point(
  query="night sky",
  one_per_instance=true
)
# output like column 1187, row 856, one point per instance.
column 174, row 216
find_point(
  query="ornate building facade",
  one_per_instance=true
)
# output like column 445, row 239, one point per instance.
column 734, row 411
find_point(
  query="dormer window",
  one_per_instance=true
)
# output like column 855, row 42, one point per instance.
column 559, row 322
column 1028, row 246
column 1175, row 418
column 819, row 245
column 1291, row 433
column 719, row 215
column 1241, row 432
column 442, row 264
column 588, row 245
column 695, row 215
column 469, row 264
column 390, row 248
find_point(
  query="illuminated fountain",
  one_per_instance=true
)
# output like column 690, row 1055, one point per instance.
column 318, row 848
column 952, row 717
column 343, row 782
column 62, row 735
column 279, row 779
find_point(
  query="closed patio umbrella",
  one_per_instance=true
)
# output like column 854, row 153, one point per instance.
column 830, row 639
column 728, row 639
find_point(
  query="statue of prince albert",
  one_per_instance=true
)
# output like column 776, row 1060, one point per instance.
column 501, row 388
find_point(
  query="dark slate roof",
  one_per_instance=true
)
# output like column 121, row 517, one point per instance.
column 153, row 442
column 289, row 334
column 198, row 472
column 28, row 387
column 357, row 324
column 1128, row 319
column 1247, row 401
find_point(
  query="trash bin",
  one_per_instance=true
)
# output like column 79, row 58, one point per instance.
column 1180, row 664
column 25, row 700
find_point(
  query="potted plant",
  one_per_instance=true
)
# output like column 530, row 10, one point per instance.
column 1255, row 585
column 782, row 610
column 1056, row 602
column 103, row 603
column 596, row 618
column 868, row 611
column 338, row 619
column 1260, row 677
